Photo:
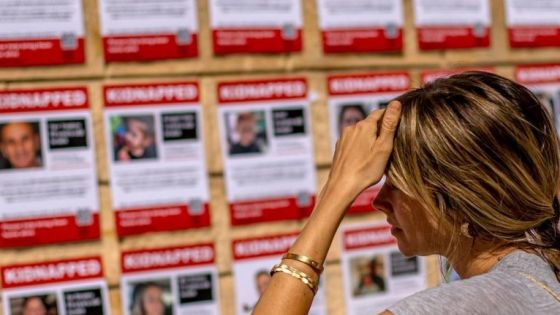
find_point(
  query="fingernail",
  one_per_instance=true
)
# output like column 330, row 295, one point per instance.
column 395, row 105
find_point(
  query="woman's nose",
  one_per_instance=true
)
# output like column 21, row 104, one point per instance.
column 383, row 201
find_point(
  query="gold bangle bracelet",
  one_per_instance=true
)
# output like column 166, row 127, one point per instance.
column 306, row 260
column 300, row 275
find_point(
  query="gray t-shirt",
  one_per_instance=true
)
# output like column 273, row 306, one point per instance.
column 502, row 290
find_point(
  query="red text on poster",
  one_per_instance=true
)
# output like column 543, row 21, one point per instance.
column 254, row 26
column 40, row 33
column 156, row 157
column 186, row 273
column 47, row 167
column 144, row 30
column 452, row 24
column 533, row 23
column 253, row 259
column 267, row 149
column 351, row 98
column 375, row 274
column 544, row 82
column 361, row 26
column 71, row 286
column 428, row 76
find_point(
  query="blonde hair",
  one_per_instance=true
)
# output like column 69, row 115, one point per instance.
column 480, row 149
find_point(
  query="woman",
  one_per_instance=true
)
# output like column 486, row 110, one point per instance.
column 350, row 115
column 35, row 305
column 371, row 280
column 147, row 299
column 472, row 164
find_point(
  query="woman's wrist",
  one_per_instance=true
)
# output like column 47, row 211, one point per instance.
column 344, row 191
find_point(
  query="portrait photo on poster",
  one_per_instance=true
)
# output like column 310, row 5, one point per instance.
column 150, row 297
column 352, row 112
column 368, row 274
column 349, row 114
column 260, row 281
column 38, row 304
column 246, row 132
column 134, row 137
column 262, row 278
column 20, row 145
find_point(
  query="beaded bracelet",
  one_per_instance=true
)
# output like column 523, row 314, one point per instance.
column 301, row 276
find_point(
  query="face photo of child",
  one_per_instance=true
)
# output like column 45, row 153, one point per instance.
column 134, row 137
column 20, row 145
column 349, row 115
column 262, row 279
column 246, row 132
column 151, row 298
column 45, row 304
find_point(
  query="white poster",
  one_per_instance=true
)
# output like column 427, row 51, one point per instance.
column 37, row 33
column 361, row 25
column 156, row 157
column 67, row 287
column 266, row 140
column 48, row 182
column 533, row 23
column 148, row 30
column 351, row 98
column 428, row 76
column 376, row 274
column 256, row 26
column 253, row 260
column 180, row 280
column 544, row 82
column 445, row 24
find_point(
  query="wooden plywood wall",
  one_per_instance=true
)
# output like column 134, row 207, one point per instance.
column 208, row 69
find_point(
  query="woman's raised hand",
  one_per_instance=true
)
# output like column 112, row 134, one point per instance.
column 360, row 160
column 363, row 150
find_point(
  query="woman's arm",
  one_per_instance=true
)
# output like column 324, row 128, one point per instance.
column 360, row 160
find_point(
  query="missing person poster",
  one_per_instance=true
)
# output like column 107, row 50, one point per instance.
column 533, row 23
column 428, row 76
column 172, row 281
column 69, row 287
column 267, row 149
column 253, row 260
column 256, row 26
column 351, row 98
column 48, row 183
column 38, row 33
column 361, row 25
column 452, row 24
column 544, row 82
column 375, row 273
column 143, row 30
column 156, row 157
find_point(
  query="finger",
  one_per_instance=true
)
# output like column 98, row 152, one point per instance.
column 390, row 122
column 346, row 131
column 370, row 123
column 375, row 115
